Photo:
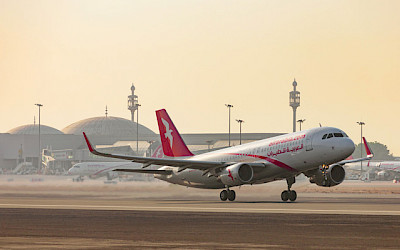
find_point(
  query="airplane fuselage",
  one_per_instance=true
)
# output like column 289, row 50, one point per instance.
column 389, row 166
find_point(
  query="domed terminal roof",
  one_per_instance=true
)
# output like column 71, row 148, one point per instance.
column 32, row 129
column 111, row 126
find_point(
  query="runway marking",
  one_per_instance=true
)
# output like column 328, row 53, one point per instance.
column 206, row 209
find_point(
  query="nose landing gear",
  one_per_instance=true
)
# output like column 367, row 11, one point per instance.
column 289, row 194
column 227, row 195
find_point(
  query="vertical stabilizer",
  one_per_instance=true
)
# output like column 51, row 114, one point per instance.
column 172, row 142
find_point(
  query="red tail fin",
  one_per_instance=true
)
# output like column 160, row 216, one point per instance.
column 172, row 142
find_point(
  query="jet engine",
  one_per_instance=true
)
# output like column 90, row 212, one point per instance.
column 327, row 176
column 236, row 175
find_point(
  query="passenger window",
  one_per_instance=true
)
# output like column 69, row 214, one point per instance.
column 338, row 134
column 324, row 137
column 330, row 136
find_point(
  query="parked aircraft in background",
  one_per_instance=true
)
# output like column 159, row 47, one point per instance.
column 96, row 170
column 318, row 153
column 389, row 169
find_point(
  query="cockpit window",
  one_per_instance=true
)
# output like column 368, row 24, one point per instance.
column 345, row 135
column 338, row 134
column 324, row 137
column 330, row 135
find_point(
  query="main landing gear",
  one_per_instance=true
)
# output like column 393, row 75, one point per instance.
column 289, row 194
column 227, row 195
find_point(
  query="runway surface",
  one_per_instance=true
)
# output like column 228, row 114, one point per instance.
column 41, row 228
column 153, row 215
column 307, row 205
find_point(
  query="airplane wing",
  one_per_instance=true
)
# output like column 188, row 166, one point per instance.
column 370, row 155
column 201, row 165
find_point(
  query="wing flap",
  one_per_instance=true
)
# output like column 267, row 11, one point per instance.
column 144, row 171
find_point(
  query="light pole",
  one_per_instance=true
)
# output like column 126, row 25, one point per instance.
column 240, row 131
column 229, row 106
column 300, row 122
column 40, row 151
column 137, row 129
column 361, row 125
column 150, row 147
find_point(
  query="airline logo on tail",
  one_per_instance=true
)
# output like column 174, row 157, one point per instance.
column 172, row 142
column 168, row 134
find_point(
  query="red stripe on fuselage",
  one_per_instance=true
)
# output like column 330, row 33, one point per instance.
column 273, row 161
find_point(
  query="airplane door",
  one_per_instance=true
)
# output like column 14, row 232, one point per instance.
column 309, row 144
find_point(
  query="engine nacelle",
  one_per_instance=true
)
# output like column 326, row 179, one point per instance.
column 236, row 175
column 334, row 175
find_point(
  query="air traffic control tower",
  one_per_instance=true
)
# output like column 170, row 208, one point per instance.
column 133, row 103
column 294, row 102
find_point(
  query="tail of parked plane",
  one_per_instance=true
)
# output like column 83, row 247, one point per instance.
column 158, row 153
column 172, row 142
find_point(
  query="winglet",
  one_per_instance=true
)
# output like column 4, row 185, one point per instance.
column 368, row 149
column 88, row 143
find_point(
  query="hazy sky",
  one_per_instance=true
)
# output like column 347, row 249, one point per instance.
column 192, row 57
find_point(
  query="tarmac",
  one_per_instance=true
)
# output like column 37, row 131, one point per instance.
column 56, row 213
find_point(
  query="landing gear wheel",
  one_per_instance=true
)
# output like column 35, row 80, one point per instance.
column 292, row 195
column 285, row 195
column 231, row 195
column 223, row 195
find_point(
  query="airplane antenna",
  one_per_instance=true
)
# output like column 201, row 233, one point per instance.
column 320, row 125
column 106, row 111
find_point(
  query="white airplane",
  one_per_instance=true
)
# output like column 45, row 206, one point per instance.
column 389, row 169
column 318, row 153
column 96, row 170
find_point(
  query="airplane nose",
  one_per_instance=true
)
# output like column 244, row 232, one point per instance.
column 349, row 146
column 345, row 147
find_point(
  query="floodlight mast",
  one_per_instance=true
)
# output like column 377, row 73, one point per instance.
column 229, row 106
column 240, row 130
column 300, row 122
column 40, row 150
column 361, row 125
